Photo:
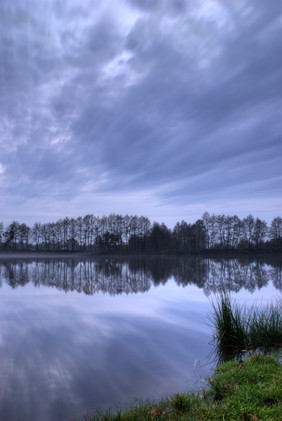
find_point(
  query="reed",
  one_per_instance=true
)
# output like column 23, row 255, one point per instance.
column 237, row 329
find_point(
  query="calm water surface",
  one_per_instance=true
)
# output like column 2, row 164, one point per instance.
column 76, row 335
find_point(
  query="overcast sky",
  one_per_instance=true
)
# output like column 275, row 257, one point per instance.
column 165, row 109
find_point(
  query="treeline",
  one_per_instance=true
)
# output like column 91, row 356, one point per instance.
column 138, row 234
column 116, row 276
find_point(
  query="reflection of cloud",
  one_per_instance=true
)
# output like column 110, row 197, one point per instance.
column 2, row 168
column 57, row 366
column 62, row 354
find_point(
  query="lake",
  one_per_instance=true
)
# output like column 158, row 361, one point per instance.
column 80, row 334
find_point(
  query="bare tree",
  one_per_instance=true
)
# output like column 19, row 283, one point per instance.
column 12, row 235
column 24, row 232
column 275, row 231
column 248, row 229
column 36, row 234
column 259, row 232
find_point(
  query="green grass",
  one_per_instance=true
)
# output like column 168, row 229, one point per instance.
column 238, row 329
column 245, row 389
column 238, row 390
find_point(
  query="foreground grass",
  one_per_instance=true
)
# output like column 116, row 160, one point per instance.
column 238, row 329
column 239, row 390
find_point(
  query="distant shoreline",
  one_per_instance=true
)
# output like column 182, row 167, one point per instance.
column 38, row 254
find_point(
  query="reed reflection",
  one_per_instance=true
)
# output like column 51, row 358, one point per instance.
column 117, row 276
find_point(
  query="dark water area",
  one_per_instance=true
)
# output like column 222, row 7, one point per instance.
column 81, row 334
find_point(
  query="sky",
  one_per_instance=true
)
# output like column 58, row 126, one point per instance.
column 165, row 109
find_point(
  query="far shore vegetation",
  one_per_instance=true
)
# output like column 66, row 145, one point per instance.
column 135, row 234
column 247, row 383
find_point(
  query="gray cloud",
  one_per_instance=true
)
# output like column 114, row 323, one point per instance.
column 180, row 99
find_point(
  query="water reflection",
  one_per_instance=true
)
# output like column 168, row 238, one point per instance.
column 117, row 276
column 63, row 354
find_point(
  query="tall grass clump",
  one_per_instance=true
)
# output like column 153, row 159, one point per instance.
column 237, row 329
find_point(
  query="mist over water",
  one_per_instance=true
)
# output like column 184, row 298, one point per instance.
column 83, row 334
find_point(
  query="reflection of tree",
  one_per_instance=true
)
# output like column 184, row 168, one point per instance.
column 117, row 276
column 232, row 275
column 18, row 276
column 191, row 271
column 158, row 270
column 276, row 274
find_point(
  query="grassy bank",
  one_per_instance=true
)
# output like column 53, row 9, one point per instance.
column 238, row 329
column 238, row 390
